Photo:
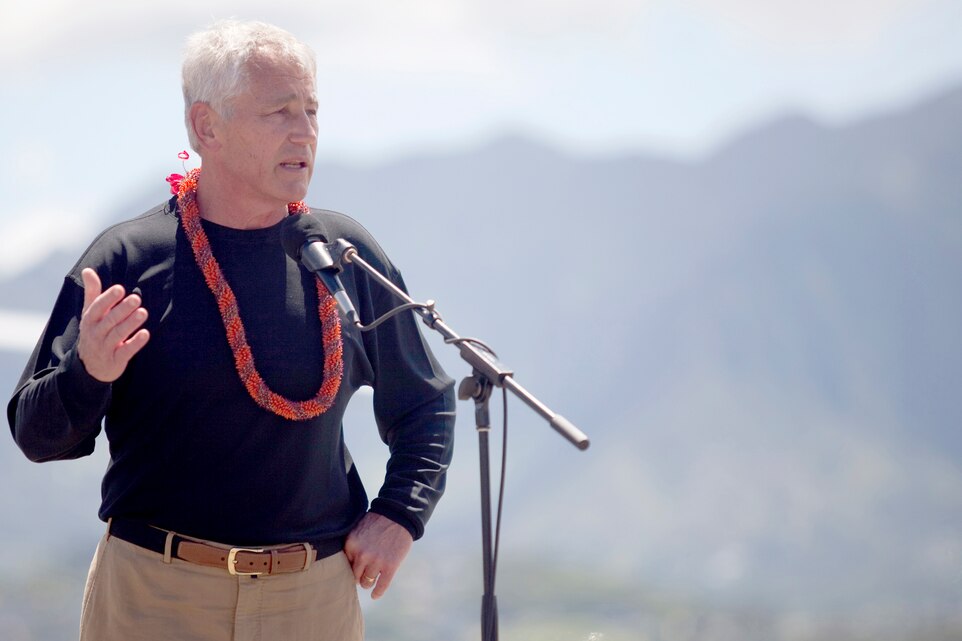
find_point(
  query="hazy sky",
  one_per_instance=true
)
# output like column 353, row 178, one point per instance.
column 92, row 108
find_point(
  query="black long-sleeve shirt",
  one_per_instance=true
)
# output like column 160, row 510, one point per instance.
column 190, row 451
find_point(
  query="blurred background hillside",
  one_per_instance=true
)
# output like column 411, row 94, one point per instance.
column 725, row 239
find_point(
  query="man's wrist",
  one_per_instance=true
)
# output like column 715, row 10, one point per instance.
column 76, row 381
column 399, row 515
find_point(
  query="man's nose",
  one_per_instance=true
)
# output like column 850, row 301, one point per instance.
column 304, row 129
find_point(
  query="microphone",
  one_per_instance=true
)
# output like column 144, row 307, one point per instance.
column 303, row 238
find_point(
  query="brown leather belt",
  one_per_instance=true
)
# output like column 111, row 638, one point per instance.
column 249, row 561
column 243, row 561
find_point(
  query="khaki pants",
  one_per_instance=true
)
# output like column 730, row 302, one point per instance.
column 132, row 595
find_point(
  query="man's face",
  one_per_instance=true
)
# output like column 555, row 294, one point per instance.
column 270, row 139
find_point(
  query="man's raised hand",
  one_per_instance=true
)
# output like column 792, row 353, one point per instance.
column 110, row 332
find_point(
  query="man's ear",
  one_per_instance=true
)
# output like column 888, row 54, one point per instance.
column 203, row 120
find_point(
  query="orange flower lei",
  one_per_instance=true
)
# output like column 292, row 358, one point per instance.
column 230, row 313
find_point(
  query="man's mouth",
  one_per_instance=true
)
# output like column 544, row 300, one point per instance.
column 294, row 165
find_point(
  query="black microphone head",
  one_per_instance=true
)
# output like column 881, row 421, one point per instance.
column 299, row 229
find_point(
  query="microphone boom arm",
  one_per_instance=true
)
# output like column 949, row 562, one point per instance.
column 483, row 361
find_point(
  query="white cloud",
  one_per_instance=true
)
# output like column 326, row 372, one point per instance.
column 560, row 18
column 34, row 234
column 19, row 330
column 371, row 28
column 591, row 75
column 26, row 164
column 811, row 26
column 395, row 39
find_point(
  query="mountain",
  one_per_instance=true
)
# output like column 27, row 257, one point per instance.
column 764, row 346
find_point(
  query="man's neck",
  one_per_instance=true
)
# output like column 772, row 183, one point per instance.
column 229, row 208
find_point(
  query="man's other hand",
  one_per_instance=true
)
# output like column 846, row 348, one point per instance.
column 376, row 547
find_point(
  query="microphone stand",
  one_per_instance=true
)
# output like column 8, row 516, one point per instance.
column 487, row 372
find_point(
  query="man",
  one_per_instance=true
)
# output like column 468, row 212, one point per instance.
column 220, row 372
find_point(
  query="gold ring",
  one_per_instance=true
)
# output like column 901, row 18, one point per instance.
column 367, row 579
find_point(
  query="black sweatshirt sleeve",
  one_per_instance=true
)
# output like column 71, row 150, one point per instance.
column 57, row 407
column 414, row 403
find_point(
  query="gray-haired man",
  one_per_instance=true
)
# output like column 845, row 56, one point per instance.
column 220, row 372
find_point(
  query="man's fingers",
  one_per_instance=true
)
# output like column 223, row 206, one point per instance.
column 133, row 345
column 97, row 302
column 103, row 303
column 380, row 581
column 120, row 335
column 368, row 576
column 110, row 328
column 376, row 547
column 383, row 583
column 123, row 319
column 361, row 570
column 367, row 579
column 91, row 287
